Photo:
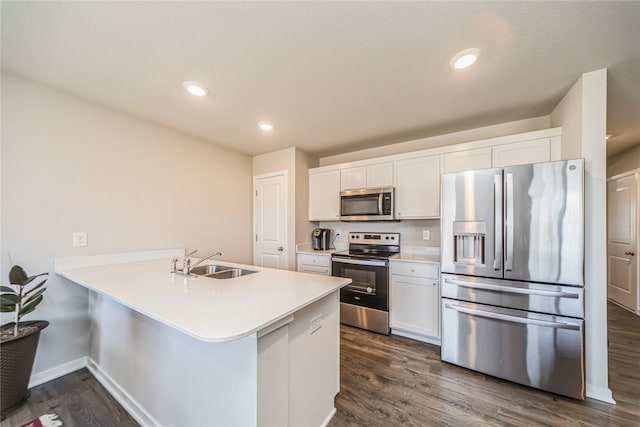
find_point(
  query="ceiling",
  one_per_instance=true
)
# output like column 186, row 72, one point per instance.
column 330, row 76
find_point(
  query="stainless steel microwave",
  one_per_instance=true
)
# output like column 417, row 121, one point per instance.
column 367, row 204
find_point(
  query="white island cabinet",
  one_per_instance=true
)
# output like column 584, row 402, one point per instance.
column 260, row 349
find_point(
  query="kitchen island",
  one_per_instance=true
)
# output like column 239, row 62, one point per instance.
column 260, row 349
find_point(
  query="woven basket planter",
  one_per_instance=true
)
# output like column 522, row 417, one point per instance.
column 16, row 362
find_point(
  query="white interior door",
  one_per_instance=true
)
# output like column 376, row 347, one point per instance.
column 270, row 220
column 622, row 286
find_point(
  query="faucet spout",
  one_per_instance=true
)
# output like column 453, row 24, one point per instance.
column 211, row 255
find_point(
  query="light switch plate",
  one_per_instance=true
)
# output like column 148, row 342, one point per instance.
column 316, row 323
column 426, row 234
column 80, row 239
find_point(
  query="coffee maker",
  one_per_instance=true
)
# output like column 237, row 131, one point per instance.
column 321, row 238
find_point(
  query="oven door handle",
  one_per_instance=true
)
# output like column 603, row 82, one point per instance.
column 512, row 290
column 374, row 263
column 514, row 319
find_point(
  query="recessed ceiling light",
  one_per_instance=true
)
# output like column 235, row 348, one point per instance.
column 195, row 88
column 465, row 58
column 266, row 126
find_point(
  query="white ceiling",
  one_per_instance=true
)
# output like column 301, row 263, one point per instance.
column 331, row 76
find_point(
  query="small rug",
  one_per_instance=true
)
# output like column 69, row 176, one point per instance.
column 46, row 420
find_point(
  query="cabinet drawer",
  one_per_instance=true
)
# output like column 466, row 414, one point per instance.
column 314, row 260
column 415, row 269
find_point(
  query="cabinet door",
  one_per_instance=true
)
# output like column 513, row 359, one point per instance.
column 414, row 305
column 324, row 196
column 417, row 183
column 467, row 160
column 352, row 178
column 520, row 153
column 380, row 175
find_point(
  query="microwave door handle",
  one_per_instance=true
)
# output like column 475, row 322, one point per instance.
column 380, row 197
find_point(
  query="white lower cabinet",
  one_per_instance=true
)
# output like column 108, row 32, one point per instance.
column 415, row 305
column 317, row 264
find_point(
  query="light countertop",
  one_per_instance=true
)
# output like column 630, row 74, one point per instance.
column 307, row 248
column 417, row 256
column 211, row 310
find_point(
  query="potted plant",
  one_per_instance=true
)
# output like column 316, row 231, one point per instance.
column 19, row 340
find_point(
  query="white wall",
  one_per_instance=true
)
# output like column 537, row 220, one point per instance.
column 582, row 114
column 71, row 165
column 502, row 129
column 623, row 162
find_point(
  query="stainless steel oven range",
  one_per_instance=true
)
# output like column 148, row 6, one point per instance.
column 365, row 302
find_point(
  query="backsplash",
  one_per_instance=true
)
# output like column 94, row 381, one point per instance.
column 410, row 231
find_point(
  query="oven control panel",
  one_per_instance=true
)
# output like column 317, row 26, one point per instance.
column 386, row 239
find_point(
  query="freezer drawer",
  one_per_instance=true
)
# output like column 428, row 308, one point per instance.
column 541, row 351
column 538, row 297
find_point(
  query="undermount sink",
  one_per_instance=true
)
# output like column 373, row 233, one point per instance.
column 220, row 271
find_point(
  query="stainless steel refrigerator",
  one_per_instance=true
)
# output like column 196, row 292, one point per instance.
column 513, row 273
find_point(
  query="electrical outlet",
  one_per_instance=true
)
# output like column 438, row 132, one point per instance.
column 426, row 234
column 316, row 323
column 338, row 232
column 79, row 239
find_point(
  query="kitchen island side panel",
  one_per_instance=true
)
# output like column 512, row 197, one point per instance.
column 173, row 377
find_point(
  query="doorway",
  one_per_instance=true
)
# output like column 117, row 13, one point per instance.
column 270, row 220
column 622, row 240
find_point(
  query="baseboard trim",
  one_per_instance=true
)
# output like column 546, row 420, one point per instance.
column 328, row 419
column 57, row 371
column 603, row 394
column 125, row 399
column 417, row 337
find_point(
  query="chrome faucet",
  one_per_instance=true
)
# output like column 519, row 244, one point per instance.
column 186, row 264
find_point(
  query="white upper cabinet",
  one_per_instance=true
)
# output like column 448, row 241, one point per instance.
column 467, row 160
column 324, row 195
column 519, row 153
column 417, row 183
column 371, row 176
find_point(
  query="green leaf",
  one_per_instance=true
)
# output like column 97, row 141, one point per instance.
column 9, row 299
column 36, row 295
column 35, row 287
column 30, row 307
column 6, row 289
column 5, row 308
column 17, row 275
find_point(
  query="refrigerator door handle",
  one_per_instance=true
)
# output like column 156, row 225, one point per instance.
column 512, row 290
column 514, row 319
column 508, row 259
column 497, row 222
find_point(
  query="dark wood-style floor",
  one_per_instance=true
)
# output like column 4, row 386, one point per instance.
column 390, row 380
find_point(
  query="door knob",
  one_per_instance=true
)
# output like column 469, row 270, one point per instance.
column 280, row 248
column 629, row 253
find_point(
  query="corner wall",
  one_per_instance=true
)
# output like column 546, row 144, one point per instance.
column 623, row 162
column 582, row 113
column 69, row 165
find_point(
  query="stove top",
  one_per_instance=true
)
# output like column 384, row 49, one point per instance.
column 371, row 245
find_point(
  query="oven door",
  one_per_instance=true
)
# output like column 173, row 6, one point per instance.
column 370, row 281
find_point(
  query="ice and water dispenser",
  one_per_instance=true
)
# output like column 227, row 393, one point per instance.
column 469, row 242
